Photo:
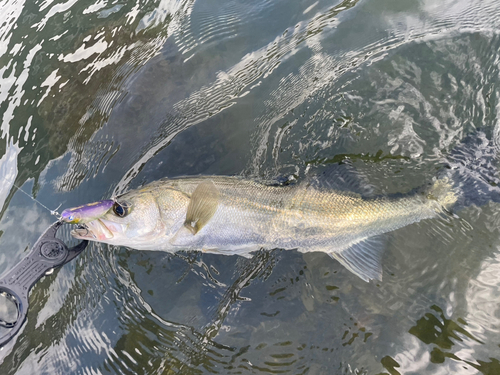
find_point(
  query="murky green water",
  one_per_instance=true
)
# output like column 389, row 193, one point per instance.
column 100, row 96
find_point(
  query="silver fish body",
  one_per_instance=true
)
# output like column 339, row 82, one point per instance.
column 231, row 215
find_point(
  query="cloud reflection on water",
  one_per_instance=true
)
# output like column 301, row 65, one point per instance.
column 100, row 96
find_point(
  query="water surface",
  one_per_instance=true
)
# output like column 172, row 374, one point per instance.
column 97, row 97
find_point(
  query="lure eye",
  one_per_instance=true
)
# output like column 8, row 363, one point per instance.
column 120, row 210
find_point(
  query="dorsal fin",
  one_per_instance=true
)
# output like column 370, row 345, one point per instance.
column 202, row 207
column 363, row 259
column 343, row 178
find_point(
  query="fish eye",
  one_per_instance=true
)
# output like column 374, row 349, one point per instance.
column 120, row 210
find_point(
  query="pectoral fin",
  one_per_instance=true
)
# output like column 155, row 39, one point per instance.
column 183, row 237
column 363, row 259
column 202, row 207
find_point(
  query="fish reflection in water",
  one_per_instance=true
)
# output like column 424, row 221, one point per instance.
column 185, row 348
column 332, row 213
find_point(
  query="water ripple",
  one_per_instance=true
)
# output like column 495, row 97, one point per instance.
column 95, row 89
column 207, row 27
column 318, row 76
column 233, row 84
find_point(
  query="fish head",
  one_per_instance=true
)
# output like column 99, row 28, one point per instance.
column 134, row 219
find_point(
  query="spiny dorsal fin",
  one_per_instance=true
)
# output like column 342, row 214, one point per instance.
column 363, row 259
column 202, row 207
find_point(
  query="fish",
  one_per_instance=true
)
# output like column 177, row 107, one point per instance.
column 233, row 215
column 332, row 213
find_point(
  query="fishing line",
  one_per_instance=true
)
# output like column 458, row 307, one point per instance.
column 52, row 212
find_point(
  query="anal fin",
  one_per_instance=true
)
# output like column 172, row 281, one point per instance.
column 364, row 259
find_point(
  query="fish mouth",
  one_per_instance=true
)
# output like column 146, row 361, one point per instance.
column 95, row 230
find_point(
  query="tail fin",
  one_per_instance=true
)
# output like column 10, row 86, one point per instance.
column 444, row 192
column 472, row 170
